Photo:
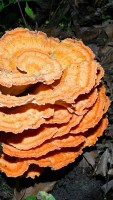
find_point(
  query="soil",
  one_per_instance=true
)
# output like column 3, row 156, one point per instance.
column 79, row 184
column 76, row 183
column 72, row 183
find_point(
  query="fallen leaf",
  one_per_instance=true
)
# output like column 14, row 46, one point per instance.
column 107, row 187
column 102, row 167
column 33, row 190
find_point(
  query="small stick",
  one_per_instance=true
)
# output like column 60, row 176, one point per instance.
column 24, row 20
column 88, row 162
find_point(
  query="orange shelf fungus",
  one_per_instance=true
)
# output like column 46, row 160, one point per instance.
column 23, row 62
column 22, row 118
column 52, row 102
column 13, row 167
column 50, row 145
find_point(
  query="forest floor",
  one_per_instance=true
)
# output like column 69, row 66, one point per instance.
column 90, row 177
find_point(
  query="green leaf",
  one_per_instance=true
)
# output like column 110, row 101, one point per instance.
column 29, row 12
column 105, row 17
column 12, row 1
column 1, row 6
column 45, row 196
column 31, row 198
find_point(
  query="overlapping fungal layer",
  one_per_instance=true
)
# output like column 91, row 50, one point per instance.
column 52, row 102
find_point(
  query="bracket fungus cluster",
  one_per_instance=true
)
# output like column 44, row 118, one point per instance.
column 52, row 102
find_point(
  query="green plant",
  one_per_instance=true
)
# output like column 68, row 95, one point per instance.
column 29, row 12
column 45, row 196
column 105, row 17
column 32, row 197
column 42, row 195
column 21, row 10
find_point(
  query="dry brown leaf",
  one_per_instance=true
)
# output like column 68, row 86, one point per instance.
column 102, row 166
column 33, row 190
column 107, row 186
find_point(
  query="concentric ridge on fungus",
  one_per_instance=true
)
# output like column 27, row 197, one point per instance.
column 23, row 118
column 56, row 159
column 22, row 61
column 52, row 102
column 32, row 116
column 33, row 138
column 50, row 145
column 94, row 115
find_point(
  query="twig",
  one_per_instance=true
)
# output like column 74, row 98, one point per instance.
column 55, row 10
column 51, row 9
column 24, row 20
column 88, row 162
